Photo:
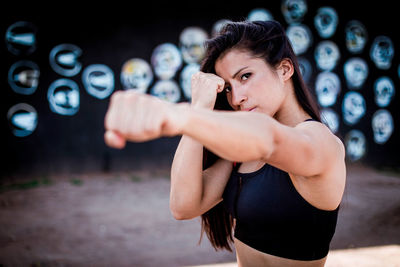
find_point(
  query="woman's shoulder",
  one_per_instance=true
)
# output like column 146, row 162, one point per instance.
column 315, row 127
column 313, row 149
column 325, row 190
column 320, row 134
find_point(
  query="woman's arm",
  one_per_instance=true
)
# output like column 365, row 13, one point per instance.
column 308, row 149
column 234, row 136
column 186, row 178
column 194, row 191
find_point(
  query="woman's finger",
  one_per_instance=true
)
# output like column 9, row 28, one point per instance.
column 220, row 88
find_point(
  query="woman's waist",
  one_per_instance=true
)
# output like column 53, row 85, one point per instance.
column 248, row 256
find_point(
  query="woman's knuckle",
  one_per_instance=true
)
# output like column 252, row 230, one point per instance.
column 148, row 131
column 124, row 130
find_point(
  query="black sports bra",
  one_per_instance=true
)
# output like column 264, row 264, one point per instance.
column 272, row 217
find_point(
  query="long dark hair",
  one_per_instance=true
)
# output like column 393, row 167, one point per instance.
column 263, row 39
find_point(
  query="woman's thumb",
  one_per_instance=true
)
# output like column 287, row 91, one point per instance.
column 114, row 139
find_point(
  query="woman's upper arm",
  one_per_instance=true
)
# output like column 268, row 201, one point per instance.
column 309, row 149
column 215, row 179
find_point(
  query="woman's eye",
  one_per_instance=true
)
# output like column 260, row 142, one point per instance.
column 245, row 76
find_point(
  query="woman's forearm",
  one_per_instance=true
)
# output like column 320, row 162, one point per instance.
column 186, row 176
column 235, row 136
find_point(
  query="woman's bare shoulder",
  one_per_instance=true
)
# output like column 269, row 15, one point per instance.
column 321, row 132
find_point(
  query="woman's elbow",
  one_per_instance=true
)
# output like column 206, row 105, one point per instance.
column 266, row 149
column 181, row 213
column 266, row 142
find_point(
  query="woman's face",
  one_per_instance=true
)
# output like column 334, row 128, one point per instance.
column 250, row 83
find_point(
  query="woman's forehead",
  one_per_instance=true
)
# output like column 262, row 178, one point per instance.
column 233, row 58
column 228, row 63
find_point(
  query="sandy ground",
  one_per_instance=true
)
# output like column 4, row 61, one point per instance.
column 123, row 219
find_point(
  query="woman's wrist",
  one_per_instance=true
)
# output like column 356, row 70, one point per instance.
column 177, row 120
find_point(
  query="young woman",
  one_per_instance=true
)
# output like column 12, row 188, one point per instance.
column 272, row 176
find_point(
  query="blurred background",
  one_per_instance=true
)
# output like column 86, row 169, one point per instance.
column 63, row 62
column 60, row 63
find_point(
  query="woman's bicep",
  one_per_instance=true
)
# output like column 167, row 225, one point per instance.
column 308, row 149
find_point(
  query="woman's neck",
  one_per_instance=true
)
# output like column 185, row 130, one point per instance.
column 290, row 112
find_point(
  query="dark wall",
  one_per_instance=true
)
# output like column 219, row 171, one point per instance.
column 113, row 33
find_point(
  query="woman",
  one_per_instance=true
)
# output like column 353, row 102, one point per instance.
column 272, row 174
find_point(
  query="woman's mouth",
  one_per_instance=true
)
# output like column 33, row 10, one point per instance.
column 249, row 109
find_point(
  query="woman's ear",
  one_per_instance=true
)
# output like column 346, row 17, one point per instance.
column 286, row 69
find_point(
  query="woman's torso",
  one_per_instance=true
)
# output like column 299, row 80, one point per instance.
column 274, row 222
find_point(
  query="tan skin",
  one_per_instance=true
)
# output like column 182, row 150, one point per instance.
column 274, row 129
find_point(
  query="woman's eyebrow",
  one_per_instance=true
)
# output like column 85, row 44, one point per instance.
column 236, row 73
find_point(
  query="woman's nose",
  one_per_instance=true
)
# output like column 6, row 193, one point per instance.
column 238, row 98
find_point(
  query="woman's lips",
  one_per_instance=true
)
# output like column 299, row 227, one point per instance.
column 249, row 109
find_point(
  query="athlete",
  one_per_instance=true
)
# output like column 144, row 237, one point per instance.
column 254, row 160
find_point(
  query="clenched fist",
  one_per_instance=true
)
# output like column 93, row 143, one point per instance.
column 205, row 87
column 137, row 117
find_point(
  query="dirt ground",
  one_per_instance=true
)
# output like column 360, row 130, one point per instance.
column 123, row 219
